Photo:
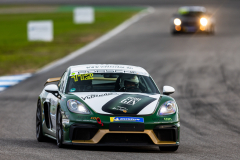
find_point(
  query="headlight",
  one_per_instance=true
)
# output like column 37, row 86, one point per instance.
column 77, row 107
column 203, row 21
column 167, row 108
column 177, row 21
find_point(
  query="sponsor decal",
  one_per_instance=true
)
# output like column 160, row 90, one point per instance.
column 65, row 121
column 132, row 103
column 126, row 119
column 119, row 108
column 167, row 119
column 73, row 89
column 94, row 118
column 104, row 66
column 53, row 102
column 98, row 95
column 157, row 119
column 82, row 77
column 130, row 100
column 82, row 118
column 161, row 119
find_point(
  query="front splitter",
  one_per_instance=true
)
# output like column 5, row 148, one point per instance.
column 99, row 135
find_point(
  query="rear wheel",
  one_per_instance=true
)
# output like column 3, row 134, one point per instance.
column 59, row 132
column 169, row 149
column 39, row 130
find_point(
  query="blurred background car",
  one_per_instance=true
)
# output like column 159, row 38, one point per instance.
column 192, row 19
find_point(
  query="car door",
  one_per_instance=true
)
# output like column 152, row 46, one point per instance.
column 54, row 101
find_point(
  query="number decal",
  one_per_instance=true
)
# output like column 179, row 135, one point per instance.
column 89, row 76
column 75, row 78
column 82, row 77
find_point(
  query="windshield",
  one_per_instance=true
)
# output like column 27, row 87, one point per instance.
column 110, row 82
column 192, row 14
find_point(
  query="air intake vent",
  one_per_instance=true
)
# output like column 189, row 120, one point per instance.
column 82, row 131
column 166, row 133
column 126, row 138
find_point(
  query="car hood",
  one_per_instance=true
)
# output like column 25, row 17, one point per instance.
column 120, row 102
column 190, row 19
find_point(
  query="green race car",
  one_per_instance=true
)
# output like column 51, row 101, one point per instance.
column 107, row 105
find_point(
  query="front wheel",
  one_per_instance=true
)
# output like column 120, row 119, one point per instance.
column 39, row 131
column 211, row 31
column 169, row 149
column 59, row 132
column 173, row 32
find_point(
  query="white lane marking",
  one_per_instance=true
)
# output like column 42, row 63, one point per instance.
column 16, row 77
column 98, row 41
column 8, row 81
column 11, row 80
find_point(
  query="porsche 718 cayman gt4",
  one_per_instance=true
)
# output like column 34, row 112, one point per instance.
column 107, row 105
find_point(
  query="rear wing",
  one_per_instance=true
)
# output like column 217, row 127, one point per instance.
column 52, row 80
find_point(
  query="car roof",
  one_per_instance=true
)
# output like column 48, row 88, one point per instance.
column 107, row 68
column 184, row 9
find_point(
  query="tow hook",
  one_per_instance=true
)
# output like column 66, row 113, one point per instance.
column 99, row 121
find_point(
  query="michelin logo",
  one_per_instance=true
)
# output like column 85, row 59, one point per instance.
column 126, row 119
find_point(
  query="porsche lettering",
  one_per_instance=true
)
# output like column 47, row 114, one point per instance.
column 130, row 101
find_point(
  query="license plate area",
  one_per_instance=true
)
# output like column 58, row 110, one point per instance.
column 126, row 127
column 191, row 29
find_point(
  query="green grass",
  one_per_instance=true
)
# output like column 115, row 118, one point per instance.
column 17, row 55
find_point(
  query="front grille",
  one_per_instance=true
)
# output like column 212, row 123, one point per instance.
column 126, row 127
column 82, row 131
column 166, row 133
column 126, row 138
column 190, row 24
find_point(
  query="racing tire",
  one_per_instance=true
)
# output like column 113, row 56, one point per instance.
column 59, row 130
column 211, row 31
column 39, row 131
column 173, row 32
column 169, row 149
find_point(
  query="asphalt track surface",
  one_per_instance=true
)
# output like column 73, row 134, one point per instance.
column 203, row 69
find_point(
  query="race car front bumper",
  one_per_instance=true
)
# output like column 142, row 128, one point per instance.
column 191, row 28
column 89, row 134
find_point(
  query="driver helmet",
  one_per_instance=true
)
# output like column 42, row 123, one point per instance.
column 129, row 78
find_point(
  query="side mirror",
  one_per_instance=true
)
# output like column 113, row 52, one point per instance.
column 52, row 80
column 52, row 88
column 167, row 90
